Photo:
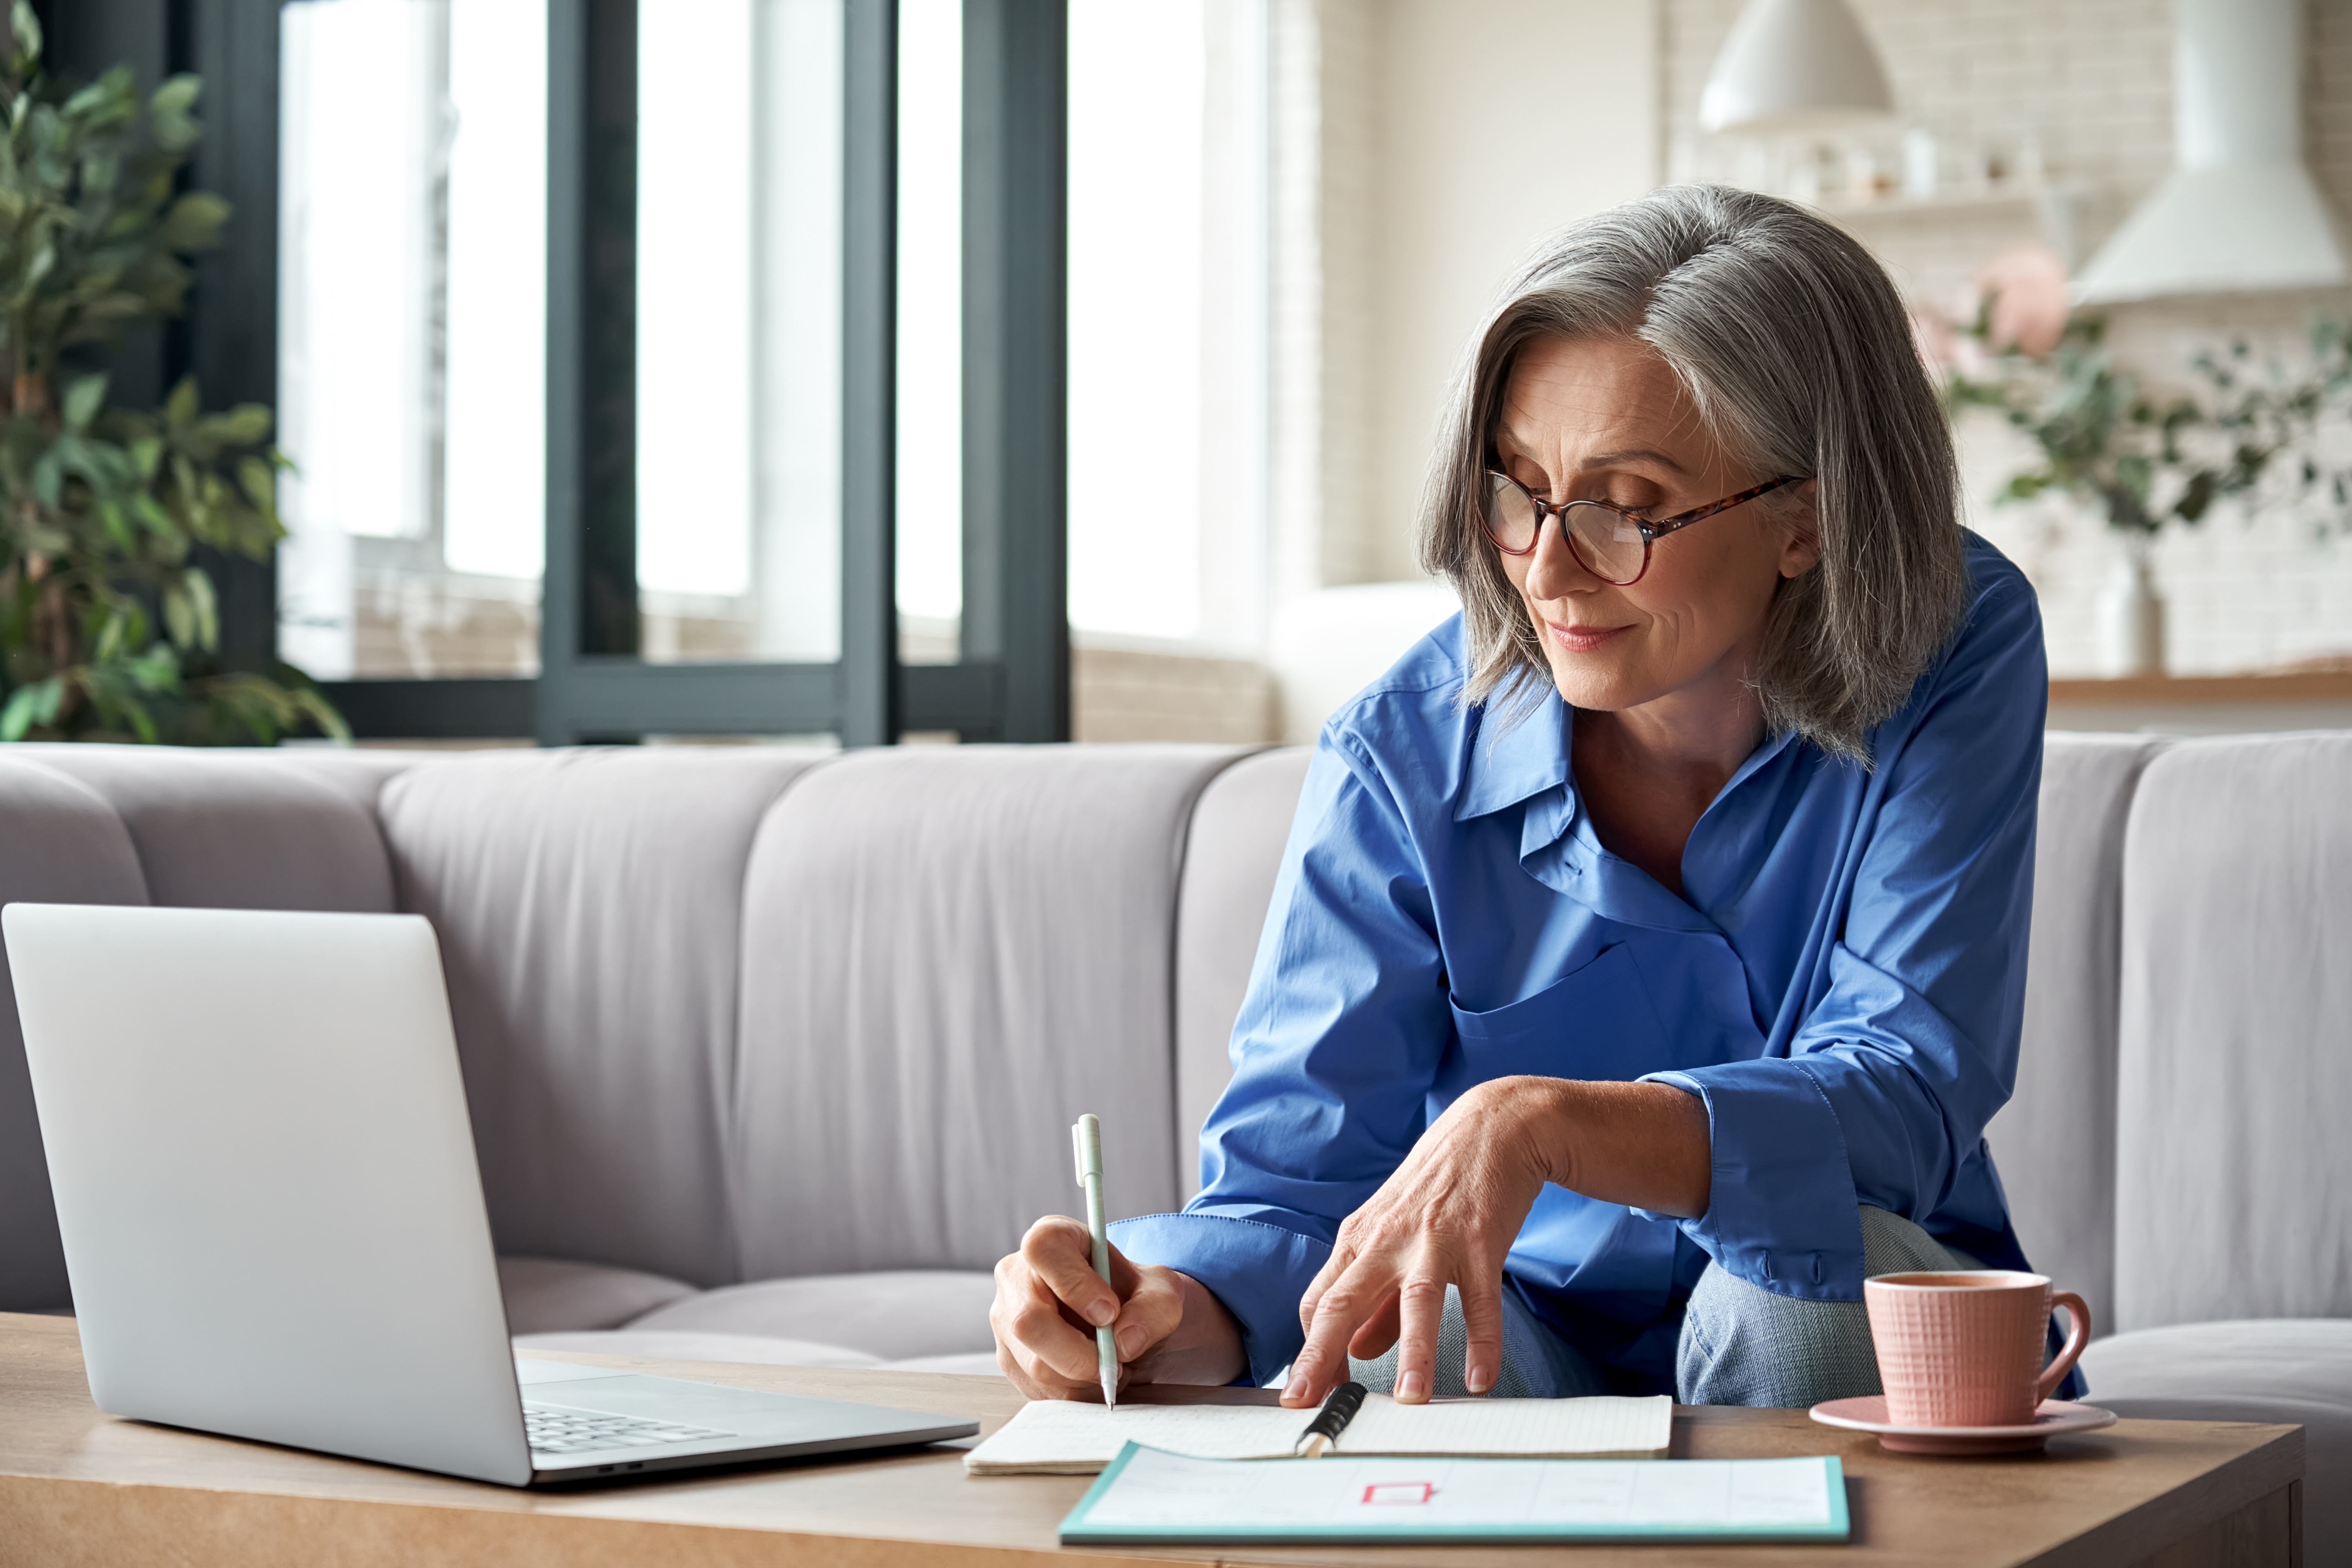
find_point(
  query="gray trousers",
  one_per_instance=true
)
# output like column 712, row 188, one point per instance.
column 1740, row 1344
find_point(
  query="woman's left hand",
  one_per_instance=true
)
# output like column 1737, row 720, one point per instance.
column 1450, row 1212
column 1446, row 1218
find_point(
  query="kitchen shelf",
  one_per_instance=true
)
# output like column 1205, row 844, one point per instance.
column 2328, row 686
column 2015, row 198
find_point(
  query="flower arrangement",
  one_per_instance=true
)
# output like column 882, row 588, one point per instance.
column 2246, row 430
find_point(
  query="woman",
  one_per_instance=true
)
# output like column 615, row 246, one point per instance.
column 1649, row 951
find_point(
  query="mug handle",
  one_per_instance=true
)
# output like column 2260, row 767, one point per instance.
column 2078, row 1335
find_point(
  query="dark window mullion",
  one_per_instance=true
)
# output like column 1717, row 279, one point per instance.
column 1015, row 362
column 870, row 684
column 232, row 321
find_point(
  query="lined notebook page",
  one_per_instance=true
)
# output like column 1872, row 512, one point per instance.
column 1052, row 1437
column 1512, row 1429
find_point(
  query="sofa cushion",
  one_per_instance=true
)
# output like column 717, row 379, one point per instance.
column 682, row 1345
column 2054, row 1142
column 60, row 844
column 1230, row 858
column 589, row 907
column 889, row 1314
column 2296, row 1370
column 236, row 829
column 546, row 1295
column 949, row 954
column 2233, row 1175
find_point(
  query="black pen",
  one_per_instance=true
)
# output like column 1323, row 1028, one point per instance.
column 1330, row 1421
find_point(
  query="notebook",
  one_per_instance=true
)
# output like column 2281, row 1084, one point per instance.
column 1061, row 1437
column 1148, row 1496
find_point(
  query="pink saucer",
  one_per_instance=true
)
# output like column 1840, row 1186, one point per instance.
column 1868, row 1414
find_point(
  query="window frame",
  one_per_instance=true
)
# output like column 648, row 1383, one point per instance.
column 1012, row 680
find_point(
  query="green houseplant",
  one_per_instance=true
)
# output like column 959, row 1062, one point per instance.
column 108, row 625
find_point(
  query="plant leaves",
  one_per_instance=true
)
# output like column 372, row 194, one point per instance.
column 246, row 425
column 195, row 221
column 179, row 616
column 206, row 603
column 24, row 28
column 85, row 395
column 31, row 705
column 182, row 407
column 170, row 111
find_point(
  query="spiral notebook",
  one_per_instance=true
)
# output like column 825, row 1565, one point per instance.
column 1053, row 1436
column 1146, row 1496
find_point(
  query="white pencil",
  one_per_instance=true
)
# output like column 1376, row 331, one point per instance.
column 1085, row 1140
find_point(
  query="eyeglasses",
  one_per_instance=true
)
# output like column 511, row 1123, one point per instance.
column 1608, row 541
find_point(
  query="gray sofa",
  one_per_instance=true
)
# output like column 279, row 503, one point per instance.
column 771, row 1053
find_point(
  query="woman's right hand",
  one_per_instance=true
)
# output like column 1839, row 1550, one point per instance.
column 1170, row 1326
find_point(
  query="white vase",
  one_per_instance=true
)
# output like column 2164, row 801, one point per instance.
column 2131, row 618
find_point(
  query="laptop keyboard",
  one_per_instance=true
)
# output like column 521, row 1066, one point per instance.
column 553, row 1429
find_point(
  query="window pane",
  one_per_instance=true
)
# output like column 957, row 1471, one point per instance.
column 495, row 453
column 410, row 325
column 930, row 329
column 1171, row 338
column 1137, row 91
column 738, row 329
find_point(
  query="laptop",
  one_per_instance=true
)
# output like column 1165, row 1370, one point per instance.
column 273, row 1220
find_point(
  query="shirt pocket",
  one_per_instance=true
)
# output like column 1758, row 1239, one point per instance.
column 1596, row 1022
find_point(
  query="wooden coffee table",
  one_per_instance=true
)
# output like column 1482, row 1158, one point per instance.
column 78, row 1488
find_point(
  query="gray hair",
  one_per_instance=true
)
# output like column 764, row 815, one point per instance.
column 1798, row 355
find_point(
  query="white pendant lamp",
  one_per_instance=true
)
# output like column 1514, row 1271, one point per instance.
column 1794, row 65
column 2239, row 213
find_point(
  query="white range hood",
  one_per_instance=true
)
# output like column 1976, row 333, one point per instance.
column 2238, row 214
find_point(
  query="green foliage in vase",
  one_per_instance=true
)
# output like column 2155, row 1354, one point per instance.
column 110, row 629
column 2147, row 464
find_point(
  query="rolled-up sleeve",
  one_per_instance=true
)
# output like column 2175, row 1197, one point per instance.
column 1910, row 1047
column 1337, row 1042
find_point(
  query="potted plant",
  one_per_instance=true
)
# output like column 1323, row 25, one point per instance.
column 108, row 622
column 2146, row 465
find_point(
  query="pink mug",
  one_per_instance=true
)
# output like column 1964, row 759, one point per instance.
column 1964, row 1349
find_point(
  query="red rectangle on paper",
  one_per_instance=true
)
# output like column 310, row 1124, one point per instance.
column 1380, row 1493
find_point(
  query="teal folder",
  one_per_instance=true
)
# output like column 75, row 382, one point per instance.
column 1150, row 1496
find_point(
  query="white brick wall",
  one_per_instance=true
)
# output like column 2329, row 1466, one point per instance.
column 2091, row 82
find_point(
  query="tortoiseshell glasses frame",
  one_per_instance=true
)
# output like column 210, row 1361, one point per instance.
column 1601, row 536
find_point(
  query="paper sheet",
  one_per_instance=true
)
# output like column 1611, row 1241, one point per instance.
column 1175, row 1497
column 1062, row 1436
column 1066, row 1437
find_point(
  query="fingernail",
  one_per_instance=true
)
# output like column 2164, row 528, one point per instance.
column 1130, row 1341
column 1411, row 1385
column 1101, row 1313
column 1478, row 1379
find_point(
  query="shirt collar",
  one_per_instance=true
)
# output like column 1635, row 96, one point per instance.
column 1517, row 753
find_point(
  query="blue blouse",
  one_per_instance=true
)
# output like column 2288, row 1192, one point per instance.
column 1842, row 982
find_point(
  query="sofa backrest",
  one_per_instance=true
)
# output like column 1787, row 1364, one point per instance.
column 2054, row 1142
column 951, row 954
column 2234, row 1071
column 1238, row 833
column 60, row 844
column 589, row 904
column 238, row 829
column 709, row 1001
column 134, row 825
